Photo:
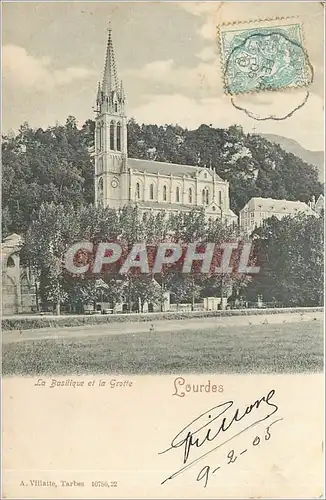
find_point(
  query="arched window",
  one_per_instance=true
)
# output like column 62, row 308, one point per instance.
column 205, row 197
column 112, row 135
column 115, row 107
column 190, row 195
column 151, row 192
column 137, row 190
column 164, row 193
column 119, row 136
column 220, row 198
column 177, row 195
column 10, row 262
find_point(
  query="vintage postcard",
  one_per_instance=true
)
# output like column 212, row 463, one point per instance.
column 162, row 254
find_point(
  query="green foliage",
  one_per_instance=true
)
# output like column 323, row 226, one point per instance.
column 52, row 165
column 291, row 255
column 252, row 165
column 57, row 227
column 48, row 190
column 55, row 165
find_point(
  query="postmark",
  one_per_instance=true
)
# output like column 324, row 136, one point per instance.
column 266, row 55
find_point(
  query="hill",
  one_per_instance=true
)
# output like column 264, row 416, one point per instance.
column 253, row 165
column 315, row 158
column 54, row 165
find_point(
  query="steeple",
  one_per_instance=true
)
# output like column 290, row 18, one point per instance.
column 111, row 153
column 110, row 95
column 110, row 78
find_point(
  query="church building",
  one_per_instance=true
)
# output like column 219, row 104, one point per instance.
column 153, row 185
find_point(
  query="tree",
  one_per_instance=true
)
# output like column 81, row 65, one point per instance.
column 45, row 244
column 45, row 165
column 291, row 258
column 55, row 164
column 51, row 234
column 183, row 287
column 143, row 288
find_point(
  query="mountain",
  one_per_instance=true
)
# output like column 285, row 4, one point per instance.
column 315, row 158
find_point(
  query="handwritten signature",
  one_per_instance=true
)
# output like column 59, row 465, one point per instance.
column 207, row 471
column 209, row 425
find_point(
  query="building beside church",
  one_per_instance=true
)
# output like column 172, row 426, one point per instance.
column 259, row 209
column 153, row 185
column 18, row 284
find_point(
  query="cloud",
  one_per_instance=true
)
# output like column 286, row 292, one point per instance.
column 207, row 53
column 200, row 8
column 202, row 79
column 208, row 11
column 25, row 71
column 156, row 70
column 305, row 126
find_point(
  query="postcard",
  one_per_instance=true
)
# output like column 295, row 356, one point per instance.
column 162, row 250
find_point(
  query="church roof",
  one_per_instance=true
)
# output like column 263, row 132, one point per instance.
column 273, row 205
column 160, row 167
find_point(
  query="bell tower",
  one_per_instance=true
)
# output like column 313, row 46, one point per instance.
column 111, row 172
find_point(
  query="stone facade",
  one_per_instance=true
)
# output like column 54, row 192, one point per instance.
column 153, row 185
column 18, row 286
column 259, row 209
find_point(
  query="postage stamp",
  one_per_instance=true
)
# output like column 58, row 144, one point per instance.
column 265, row 56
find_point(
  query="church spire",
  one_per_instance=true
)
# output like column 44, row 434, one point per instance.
column 110, row 94
column 110, row 77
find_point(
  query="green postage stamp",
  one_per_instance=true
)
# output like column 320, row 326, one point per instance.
column 264, row 56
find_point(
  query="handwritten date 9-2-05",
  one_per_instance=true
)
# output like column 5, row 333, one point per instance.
column 215, row 422
column 207, row 471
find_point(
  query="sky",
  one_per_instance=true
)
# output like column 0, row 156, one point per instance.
column 167, row 56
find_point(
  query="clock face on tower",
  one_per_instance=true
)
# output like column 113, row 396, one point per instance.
column 114, row 183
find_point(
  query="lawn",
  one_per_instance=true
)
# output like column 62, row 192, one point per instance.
column 279, row 348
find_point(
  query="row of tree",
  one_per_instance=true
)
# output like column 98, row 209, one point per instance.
column 52, row 169
column 57, row 227
column 289, row 252
column 54, row 165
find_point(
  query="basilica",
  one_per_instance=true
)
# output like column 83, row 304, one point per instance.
column 153, row 185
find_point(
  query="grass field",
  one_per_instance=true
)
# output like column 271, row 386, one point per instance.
column 266, row 348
